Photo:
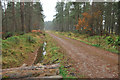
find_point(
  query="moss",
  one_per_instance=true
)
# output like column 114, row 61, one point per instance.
column 16, row 49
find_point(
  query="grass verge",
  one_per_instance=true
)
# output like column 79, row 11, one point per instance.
column 56, row 55
column 97, row 41
column 17, row 49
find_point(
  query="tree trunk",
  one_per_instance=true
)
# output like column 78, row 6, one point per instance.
column 30, row 17
column 14, row 19
column 92, row 19
column 113, row 22
column 6, row 30
column 118, row 30
column 22, row 15
column 0, row 20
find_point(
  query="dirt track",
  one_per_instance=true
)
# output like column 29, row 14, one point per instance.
column 89, row 61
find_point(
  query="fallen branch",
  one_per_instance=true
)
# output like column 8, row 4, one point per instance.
column 31, row 71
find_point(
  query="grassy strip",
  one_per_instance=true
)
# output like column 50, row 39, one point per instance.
column 16, row 49
column 56, row 55
column 97, row 41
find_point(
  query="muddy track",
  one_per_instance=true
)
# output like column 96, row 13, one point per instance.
column 89, row 61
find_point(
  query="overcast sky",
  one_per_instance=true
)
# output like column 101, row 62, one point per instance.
column 48, row 9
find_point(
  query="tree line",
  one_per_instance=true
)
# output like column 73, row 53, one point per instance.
column 84, row 17
column 22, row 16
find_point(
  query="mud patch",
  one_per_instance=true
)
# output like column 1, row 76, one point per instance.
column 40, row 54
column 39, row 57
column 44, row 46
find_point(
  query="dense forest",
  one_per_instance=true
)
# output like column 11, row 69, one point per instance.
column 82, row 40
column 48, row 25
column 22, row 17
column 85, row 17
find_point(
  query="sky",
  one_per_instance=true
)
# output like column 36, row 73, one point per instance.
column 48, row 9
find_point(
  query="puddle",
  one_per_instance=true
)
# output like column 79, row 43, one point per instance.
column 44, row 46
column 40, row 54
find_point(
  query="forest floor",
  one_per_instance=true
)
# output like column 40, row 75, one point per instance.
column 53, row 64
column 17, row 50
column 64, row 58
column 90, row 61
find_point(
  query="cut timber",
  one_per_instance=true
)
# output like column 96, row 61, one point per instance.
column 53, row 66
column 31, row 71
column 57, row 77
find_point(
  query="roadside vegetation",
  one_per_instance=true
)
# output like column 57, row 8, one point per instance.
column 17, row 49
column 18, row 21
column 55, row 55
column 109, row 43
column 96, row 24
